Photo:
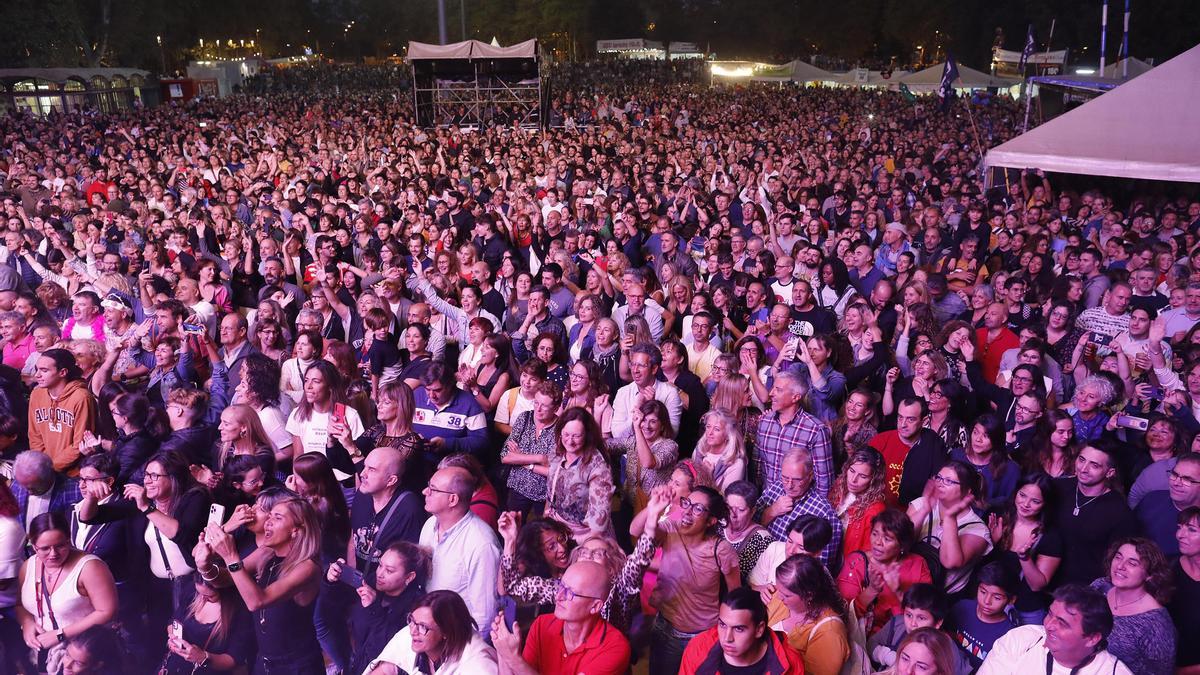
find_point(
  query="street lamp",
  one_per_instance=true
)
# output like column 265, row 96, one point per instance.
column 162, row 58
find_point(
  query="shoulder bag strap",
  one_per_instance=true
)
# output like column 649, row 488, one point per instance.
column 387, row 517
column 162, row 550
column 45, row 596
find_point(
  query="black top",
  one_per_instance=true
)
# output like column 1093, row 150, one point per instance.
column 285, row 628
column 1086, row 536
column 371, row 628
column 191, row 513
column 132, row 452
column 238, row 642
column 372, row 531
column 1185, row 610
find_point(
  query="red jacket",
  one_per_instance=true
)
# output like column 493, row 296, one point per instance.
column 703, row 656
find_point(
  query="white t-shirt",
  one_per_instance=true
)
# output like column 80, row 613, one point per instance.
column 969, row 523
column 314, row 432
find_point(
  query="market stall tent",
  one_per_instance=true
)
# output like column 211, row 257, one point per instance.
column 930, row 79
column 1147, row 128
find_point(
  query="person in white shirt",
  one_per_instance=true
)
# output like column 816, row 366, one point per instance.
column 644, row 362
column 1069, row 641
column 466, row 553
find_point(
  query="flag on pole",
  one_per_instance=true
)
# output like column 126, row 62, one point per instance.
column 907, row 94
column 949, row 75
column 1027, row 51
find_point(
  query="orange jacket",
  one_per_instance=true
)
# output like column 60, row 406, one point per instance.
column 703, row 656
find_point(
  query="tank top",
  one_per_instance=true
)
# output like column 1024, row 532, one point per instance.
column 66, row 605
column 284, row 629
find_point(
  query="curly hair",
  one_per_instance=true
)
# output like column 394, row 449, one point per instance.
column 261, row 376
column 528, row 555
column 1160, row 580
column 876, row 491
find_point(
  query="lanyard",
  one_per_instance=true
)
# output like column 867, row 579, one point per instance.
column 1074, row 671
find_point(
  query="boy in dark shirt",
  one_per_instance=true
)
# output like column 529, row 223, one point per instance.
column 980, row 622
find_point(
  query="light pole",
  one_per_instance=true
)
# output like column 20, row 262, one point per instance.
column 162, row 58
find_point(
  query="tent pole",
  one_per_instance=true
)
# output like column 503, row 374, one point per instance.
column 442, row 22
column 1125, row 45
column 1103, row 35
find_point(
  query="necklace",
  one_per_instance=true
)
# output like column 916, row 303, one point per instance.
column 1118, row 604
column 1080, row 506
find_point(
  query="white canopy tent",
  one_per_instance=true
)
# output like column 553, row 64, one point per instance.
column 471, row 49
column 930, row 79
column 1147, row 128
column 861, row 77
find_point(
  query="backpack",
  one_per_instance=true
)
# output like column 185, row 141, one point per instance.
column 927, row 549
column 857, row 662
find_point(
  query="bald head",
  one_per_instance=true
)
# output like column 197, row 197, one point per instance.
column 381, row 472
column 588, row 578
column 419, row 312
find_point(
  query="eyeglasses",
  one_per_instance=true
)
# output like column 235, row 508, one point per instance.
column 153, row 476
column 417, row 627
column 1028, row 411
column 569, row 594
column 1022, row 378
column 935, row 393
column 695, row 508
column 792, row 480
column 942, row 480
column 1186, row 480
column 430, row 488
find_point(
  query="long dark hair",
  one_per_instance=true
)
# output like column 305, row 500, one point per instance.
column 177, row 472
column 806, row 577
column 993, row 426
column 529, row 557
column 326, row 494
column 104, row 650
column 1044, row 483
column 64, row 360
column 333, row 382
column 140, row 414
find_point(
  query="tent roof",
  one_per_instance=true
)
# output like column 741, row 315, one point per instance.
column 471, row 49
column 874, row 78
column 1145, row 128
column 967, row 77
column 802, row 71
column 1136, row 67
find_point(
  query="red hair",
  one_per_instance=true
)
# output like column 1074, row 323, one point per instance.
column 8, row 503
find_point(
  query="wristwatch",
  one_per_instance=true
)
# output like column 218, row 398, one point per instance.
column 235, row 566
column 150, row 508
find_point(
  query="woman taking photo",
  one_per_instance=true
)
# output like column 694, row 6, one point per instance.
column 1138, row 587
column 323, row 417
column 214, row 633
column 695, row 563
column 721, row 449
column 441, row 639
column 649, row 455
column 943, row 517
column 747, row 537
column 875, row 578
column 1028, row 545
column 394, row 409
column 579, row 483
column 858, row 495
column 278, row 584
column 809, row 610
column 64, row 591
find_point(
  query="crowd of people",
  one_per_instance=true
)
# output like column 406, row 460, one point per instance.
column 746, row 380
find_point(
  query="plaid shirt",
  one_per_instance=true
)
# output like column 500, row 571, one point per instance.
column 774, row 440
column 809, row 504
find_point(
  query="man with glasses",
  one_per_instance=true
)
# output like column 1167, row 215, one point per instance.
column 1025, row 414
column 574, row 638
column 466, row 554
column 644, row 363
column 1158, row 512
column 793, row 496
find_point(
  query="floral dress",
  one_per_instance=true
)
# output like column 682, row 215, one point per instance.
column 579, row 493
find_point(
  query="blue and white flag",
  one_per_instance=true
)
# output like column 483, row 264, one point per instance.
column 949, row 75
column 1027, row 51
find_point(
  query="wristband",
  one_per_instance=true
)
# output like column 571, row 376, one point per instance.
column 62, row 637
column 236, row 566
